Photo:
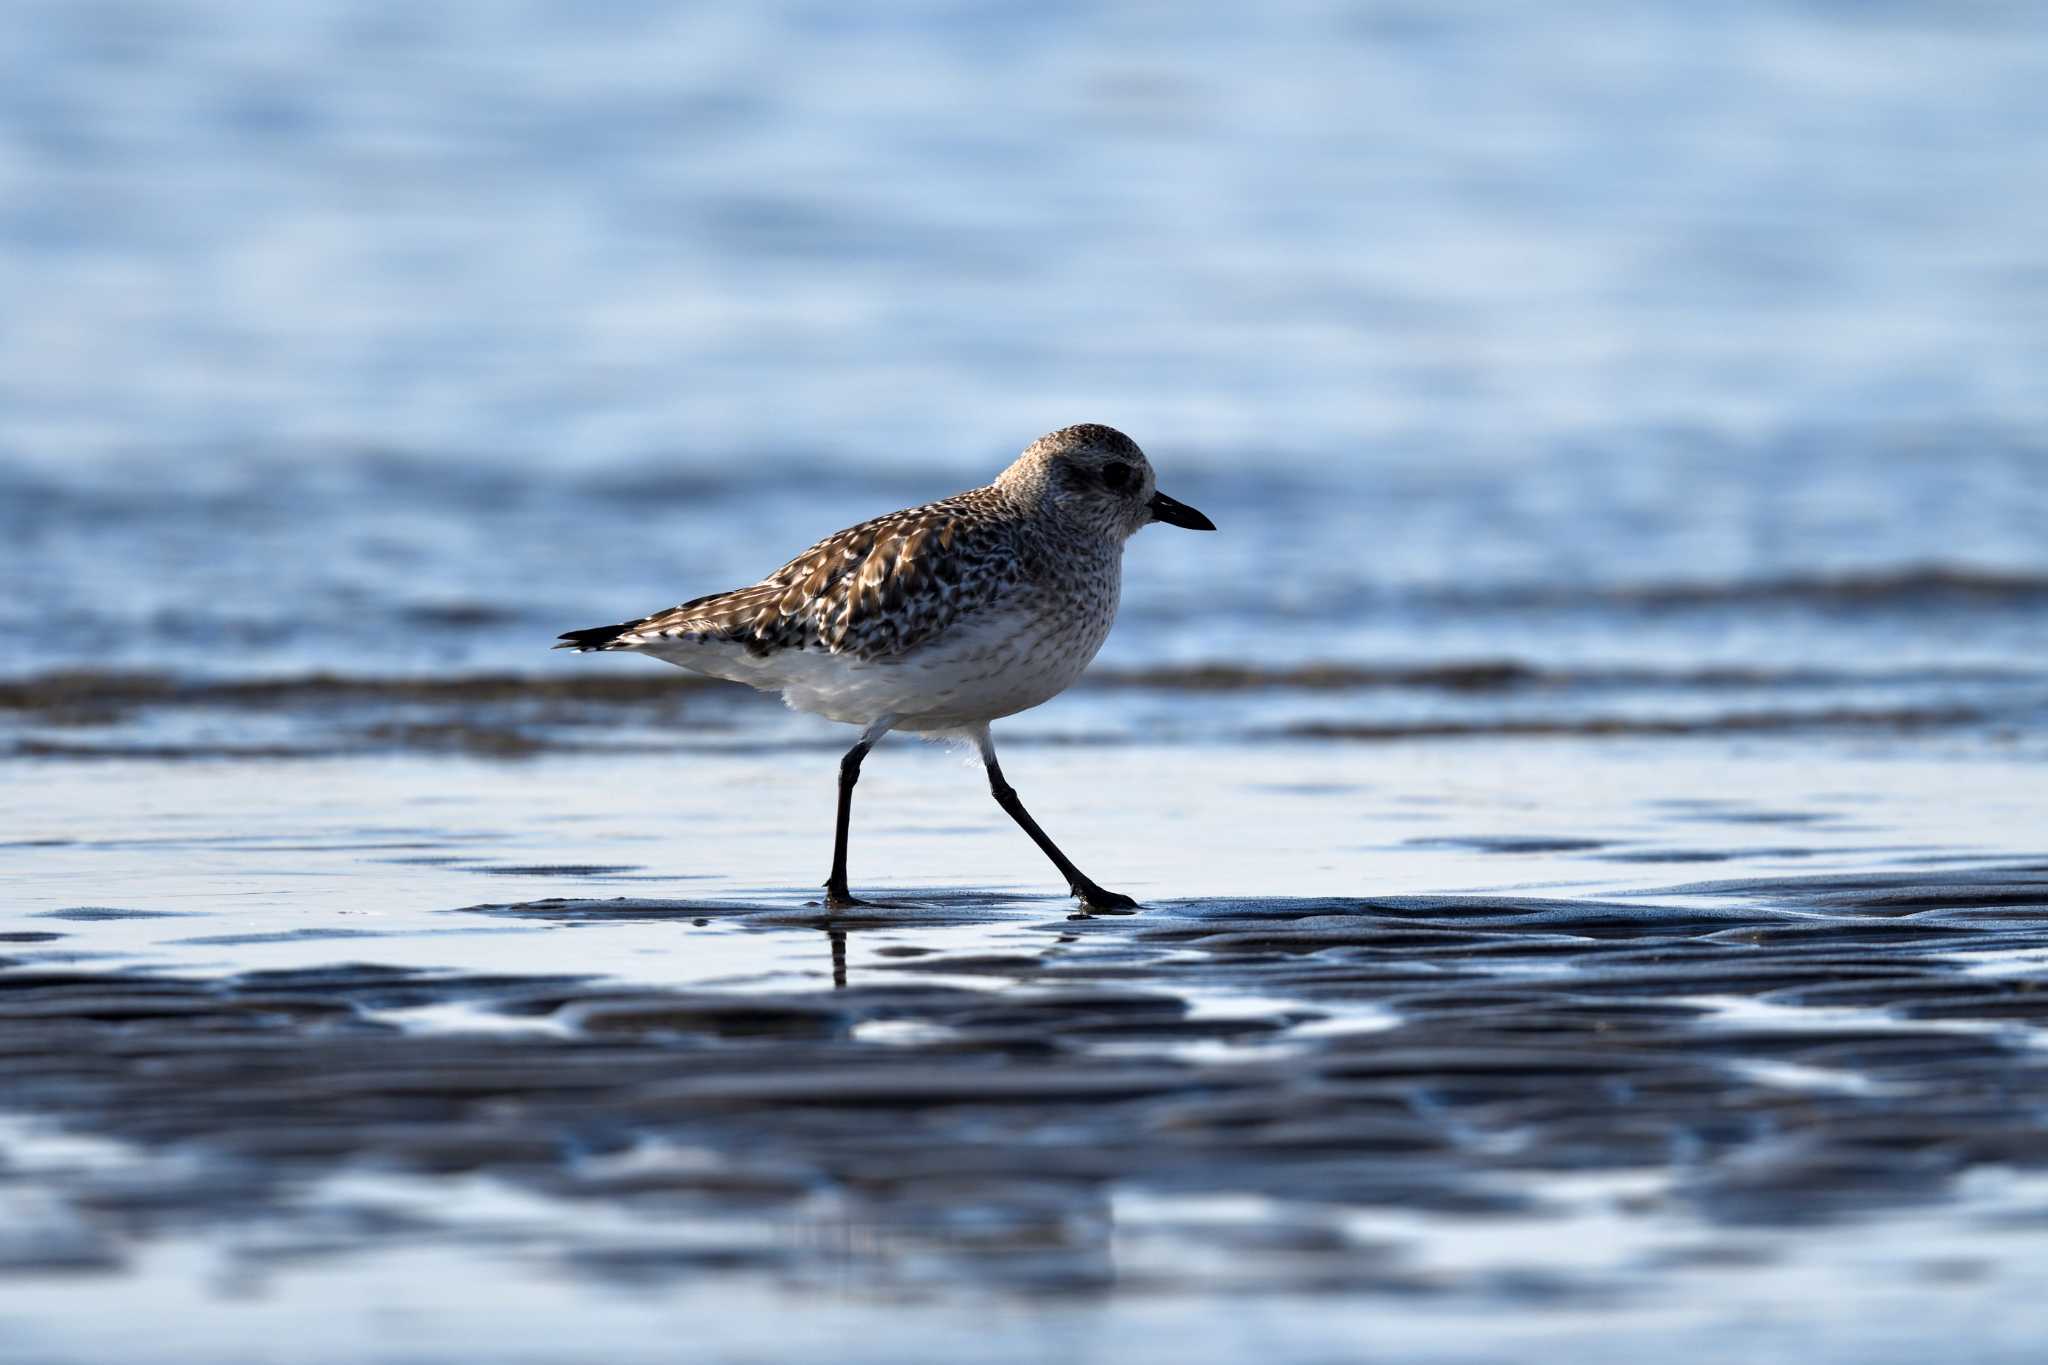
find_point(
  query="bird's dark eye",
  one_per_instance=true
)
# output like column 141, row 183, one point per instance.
column 1116, row 477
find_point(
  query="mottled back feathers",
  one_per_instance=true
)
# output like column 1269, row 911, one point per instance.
column 873, row 590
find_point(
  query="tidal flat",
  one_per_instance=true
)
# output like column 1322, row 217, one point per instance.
column 1586, row 799
column 1431, row 1049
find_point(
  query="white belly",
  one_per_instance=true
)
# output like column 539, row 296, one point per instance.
column 973, row 674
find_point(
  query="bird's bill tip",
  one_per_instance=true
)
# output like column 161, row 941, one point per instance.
column 1176, row 513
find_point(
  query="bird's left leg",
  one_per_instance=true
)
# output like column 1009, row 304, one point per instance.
column 836, row 894
column 1093, row 896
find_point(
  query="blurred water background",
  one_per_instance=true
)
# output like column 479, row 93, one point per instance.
column 1690, row 360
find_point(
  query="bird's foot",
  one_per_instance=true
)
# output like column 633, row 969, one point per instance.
column 1095, row 898
column 839, row 898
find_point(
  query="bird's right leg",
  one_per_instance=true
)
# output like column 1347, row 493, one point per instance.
column 1091, row 895
column 836, row 894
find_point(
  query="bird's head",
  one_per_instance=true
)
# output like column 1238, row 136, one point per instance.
column 1096, row 478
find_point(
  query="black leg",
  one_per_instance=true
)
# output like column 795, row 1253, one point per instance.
column 836, row 893
column 1093, row 896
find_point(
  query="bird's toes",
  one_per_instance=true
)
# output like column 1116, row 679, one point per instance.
column 1095, row 898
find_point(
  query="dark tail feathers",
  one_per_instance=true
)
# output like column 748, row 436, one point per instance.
column 597, row 637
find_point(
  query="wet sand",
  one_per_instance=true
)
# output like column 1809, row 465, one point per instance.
column 1451, row 1054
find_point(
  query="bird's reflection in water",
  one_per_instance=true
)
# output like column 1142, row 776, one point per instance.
column 835, row 935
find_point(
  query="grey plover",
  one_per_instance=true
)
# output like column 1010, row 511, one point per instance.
column 938, row 619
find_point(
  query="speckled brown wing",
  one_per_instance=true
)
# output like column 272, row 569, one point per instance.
column 873, row 590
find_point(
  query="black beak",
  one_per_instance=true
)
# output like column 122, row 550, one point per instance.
column 1179, row 514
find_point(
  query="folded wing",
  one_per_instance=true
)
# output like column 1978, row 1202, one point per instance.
column 873, row 590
